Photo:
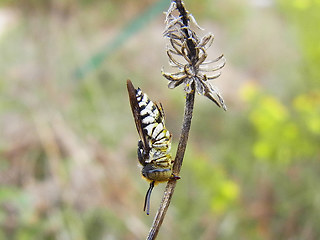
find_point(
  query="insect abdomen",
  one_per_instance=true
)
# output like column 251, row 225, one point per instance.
column 152, row 119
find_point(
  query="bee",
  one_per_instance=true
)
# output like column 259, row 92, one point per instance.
column 155, row 140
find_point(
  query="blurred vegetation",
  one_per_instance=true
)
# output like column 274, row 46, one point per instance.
column 68, row 166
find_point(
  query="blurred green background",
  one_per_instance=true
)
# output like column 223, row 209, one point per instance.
column 68, row 166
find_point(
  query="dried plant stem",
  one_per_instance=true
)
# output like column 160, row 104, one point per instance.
column 185, row 43
column 176, row 167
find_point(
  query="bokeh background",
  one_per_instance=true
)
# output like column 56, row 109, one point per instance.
column 68, row 166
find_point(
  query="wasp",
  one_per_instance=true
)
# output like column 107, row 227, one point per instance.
column 155, row 140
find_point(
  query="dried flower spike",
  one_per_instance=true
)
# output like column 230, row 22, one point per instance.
column 188, row 53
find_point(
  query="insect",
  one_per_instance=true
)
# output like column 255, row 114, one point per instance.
column 155, row 140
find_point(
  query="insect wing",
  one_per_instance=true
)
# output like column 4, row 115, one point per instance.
column 136, row 115
column 161, row 112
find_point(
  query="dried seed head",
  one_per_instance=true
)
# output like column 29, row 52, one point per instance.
column 184, row 44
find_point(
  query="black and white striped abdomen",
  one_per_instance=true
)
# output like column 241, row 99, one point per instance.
column 152, row 119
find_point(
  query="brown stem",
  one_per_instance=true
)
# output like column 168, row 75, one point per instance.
column 157, row 222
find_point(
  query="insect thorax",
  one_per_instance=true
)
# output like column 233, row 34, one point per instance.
column 157, row 166
column 159, row 169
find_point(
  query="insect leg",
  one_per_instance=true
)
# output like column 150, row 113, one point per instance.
column 147, row 199
column 175, row 177
column 141, row 153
